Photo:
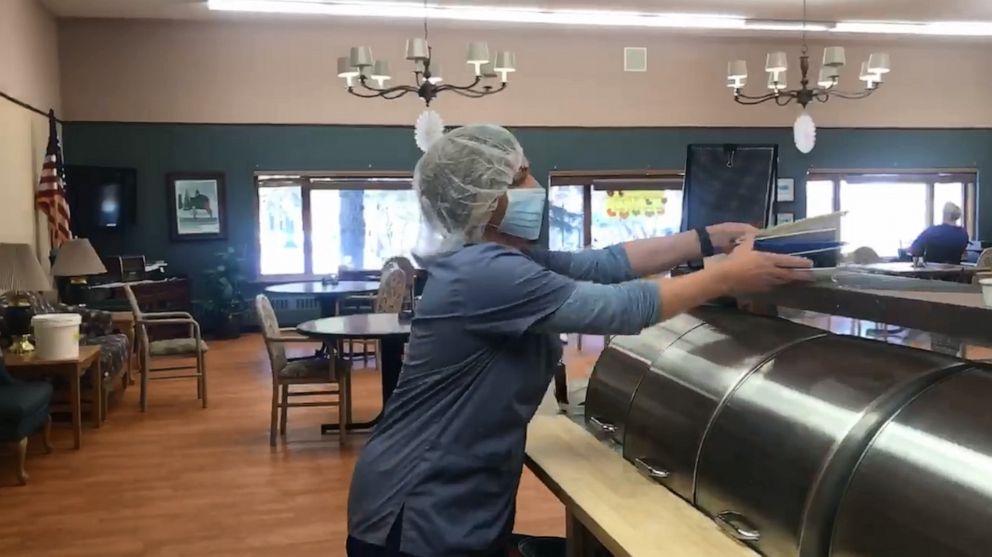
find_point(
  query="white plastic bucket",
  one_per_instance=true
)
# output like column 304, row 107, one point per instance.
column 57, row 335
column 986, row 291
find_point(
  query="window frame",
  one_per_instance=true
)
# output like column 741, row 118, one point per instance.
column 967, row 177
column 631, row 180
column 307, row 182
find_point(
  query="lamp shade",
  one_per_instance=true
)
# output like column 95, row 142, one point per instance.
column 828, row 77
column 776, row 62
column 416, row 49
column 865, row 74
column 20, row 270
column 361, row 57
column 878, row 63
column 380, row 71
column 77, row 258
column 478, row 53
column 435, row 73
column 505, row 62
column 736, row 69
column 345, row 69
column 488, row 70
column 833, row 57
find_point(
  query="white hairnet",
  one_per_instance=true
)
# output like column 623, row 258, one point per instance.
column 458, row 181
column 951, row 211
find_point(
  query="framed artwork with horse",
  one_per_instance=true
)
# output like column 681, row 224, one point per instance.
column 197, row 206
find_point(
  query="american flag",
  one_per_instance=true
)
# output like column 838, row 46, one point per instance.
column 50, row 197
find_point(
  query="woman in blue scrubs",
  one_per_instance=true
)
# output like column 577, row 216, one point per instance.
column 439, row 475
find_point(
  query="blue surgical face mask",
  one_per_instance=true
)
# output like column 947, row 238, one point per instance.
column 524, row 213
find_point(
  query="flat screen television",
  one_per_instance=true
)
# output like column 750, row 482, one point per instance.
column 102, row 199
column 729, row 183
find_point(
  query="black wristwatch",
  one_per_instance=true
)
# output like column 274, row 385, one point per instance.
column 705, row 243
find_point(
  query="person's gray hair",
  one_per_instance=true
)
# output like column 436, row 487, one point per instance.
column 458, row 182
column 952, row 213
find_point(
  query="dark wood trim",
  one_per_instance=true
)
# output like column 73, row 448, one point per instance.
column 170, row 181
column 336, row 174
column 952, row 319
column 512, row 127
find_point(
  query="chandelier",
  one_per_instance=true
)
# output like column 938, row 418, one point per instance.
column 360, row 70
column 776, row 65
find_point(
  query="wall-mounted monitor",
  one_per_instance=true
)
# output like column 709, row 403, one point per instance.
column 102, row 199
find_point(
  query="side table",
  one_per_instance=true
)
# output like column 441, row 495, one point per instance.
column 30, row 366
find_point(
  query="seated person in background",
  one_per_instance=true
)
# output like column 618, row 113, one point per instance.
column 942, row 243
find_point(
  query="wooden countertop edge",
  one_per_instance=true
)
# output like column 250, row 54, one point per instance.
column 581, row 472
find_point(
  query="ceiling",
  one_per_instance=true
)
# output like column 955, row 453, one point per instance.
column 824, row 10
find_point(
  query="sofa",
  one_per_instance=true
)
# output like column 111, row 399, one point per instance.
column 97, row 329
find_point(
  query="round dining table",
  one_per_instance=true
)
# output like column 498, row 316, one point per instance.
column 388, row 328
column 326, row 293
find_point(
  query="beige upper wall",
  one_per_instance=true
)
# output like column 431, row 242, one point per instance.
column 29, row 51
column 284, row 72
column 29, row 70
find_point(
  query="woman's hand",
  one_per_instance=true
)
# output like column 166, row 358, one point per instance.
column 747, row 271
column 725, row 236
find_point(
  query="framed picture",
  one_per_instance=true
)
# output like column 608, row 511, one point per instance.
column 196, row 206
column 786, row 190
column 784, row 218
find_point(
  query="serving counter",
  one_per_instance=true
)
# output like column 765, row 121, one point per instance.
column 722, row 425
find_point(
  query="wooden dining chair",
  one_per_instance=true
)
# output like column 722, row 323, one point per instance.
column 191, row 346
column 287, row 375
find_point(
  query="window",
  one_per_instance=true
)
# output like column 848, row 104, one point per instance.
column 886, row 212
column 315, row 225
column 602, row 211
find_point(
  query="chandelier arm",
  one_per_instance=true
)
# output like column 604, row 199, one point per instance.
column 743, row 99
column 473, row 93
column 450, row 87
column 762, row 98
column 405, row 88
column 783, row 100
column 393, row 93
column 469, row 93
column 853, row 96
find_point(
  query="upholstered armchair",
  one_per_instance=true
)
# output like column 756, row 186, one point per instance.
column 97, row 329
column 24, row 409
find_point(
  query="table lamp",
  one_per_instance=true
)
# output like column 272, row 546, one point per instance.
column 75, row 261
column 20, row 272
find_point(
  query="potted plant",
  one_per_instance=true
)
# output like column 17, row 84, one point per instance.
column 225, row 304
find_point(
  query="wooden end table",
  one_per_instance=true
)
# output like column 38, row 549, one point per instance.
column 31, row 366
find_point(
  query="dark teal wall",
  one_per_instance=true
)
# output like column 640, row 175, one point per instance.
column 240, row 150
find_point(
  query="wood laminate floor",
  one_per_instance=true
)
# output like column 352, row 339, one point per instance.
column 183, row 481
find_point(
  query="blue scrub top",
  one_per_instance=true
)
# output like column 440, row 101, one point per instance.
column 447, row 457
column 943, row 243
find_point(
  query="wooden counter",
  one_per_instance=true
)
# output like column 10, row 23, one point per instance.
column 946, row 308
column 609, row 502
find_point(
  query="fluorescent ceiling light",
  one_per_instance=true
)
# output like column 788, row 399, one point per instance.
column 603, row 18
column 935, row 28
column 786, row 25
column 613, row 18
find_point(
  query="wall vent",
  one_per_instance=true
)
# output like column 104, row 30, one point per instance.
column 635, row 59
